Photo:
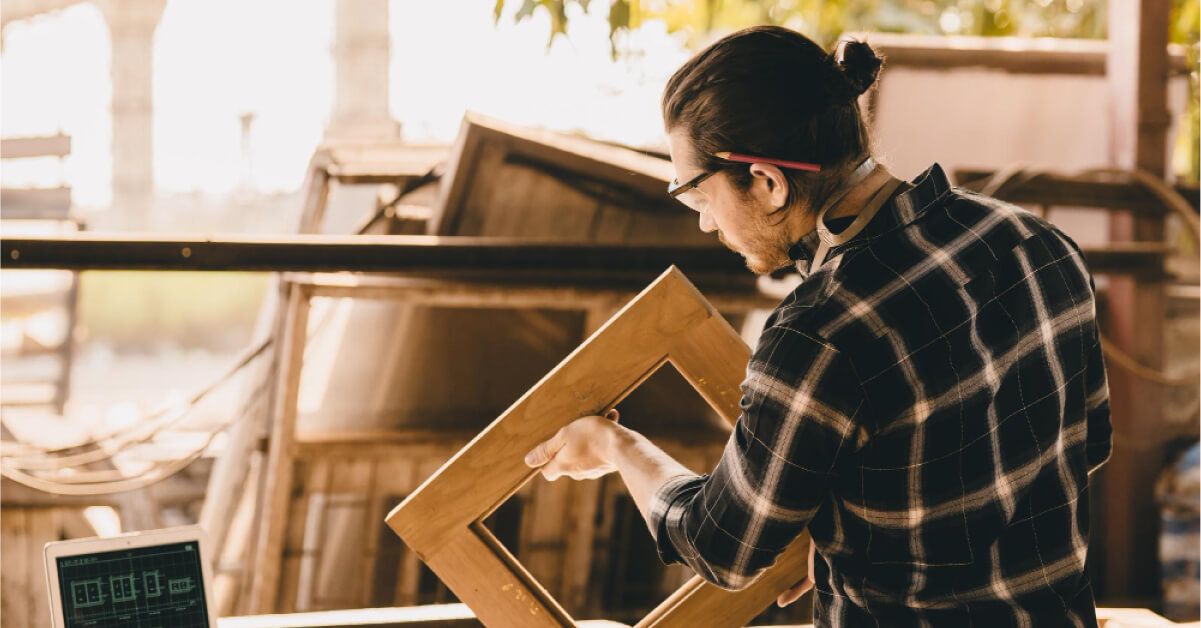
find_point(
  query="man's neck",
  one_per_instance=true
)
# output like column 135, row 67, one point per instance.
column 849, row 205
column 860, row 195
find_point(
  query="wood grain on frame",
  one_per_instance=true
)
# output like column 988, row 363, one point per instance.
column 668, row 322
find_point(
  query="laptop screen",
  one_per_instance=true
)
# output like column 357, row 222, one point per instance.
column 143, row 587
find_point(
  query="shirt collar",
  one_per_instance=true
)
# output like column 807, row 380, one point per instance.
column 900, row 210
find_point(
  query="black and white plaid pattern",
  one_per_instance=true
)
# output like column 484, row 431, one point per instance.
column 929, row 403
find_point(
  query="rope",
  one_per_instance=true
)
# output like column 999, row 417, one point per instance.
column 1172, row 200
column 101, row 448
column 109, row 481
column 31, row 457
column 104, row 451
column 102, row 488
column 1127, row 362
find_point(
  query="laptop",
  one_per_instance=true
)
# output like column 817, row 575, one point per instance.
column 149, row 579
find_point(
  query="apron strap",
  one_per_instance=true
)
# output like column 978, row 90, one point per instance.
column 827, row 240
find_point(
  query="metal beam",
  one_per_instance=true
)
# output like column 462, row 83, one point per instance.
column 329, row 253
column 424, row 255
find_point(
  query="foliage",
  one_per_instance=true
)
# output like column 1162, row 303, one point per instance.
column 826, row 20
column 1186, row 15
column 144, row 310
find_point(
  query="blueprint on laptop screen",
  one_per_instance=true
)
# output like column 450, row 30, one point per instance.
column 142, row 587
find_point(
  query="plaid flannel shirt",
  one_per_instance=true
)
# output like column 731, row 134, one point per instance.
column 929, row 403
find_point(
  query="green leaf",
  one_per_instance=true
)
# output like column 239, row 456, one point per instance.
column 619, row 16
column 558, row 16
column 526, row 10
column 619, row 19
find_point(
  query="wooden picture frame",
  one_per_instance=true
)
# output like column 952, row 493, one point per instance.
column 668, row 322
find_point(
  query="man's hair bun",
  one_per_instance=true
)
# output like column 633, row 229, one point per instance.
column 859, row 69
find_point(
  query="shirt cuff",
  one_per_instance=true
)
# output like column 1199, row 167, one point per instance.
column 666, row 511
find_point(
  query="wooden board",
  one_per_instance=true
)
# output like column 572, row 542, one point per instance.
column 359, row 164
column 24, row 533
column 430, row 616
column 459, row 616
column 27, row 147
column 1137, row 65
column 503, row 180
column 1129, row 618
column 35, row 203
column 669, row 322
column 1101, row 190
column 1019, row 55
column 277, row 479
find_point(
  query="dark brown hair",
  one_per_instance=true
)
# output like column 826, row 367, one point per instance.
column 773, row 92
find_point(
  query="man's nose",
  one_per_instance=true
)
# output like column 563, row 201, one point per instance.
column 706, row 223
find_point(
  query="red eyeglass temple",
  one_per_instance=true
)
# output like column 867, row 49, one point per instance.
column 783, row 163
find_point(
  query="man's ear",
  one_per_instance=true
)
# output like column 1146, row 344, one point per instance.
column 770, row 181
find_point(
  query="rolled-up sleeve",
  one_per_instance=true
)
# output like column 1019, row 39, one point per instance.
column 673, row 490
column 799, row 405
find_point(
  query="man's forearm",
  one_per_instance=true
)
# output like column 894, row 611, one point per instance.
column 643, row 466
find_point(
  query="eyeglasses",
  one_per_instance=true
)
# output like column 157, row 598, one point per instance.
column 688, row 193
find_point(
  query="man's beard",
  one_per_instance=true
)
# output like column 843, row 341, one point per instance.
column 766, row 253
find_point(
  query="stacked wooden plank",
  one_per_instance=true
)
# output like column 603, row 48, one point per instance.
column 24, row 531
column 41, row 304
column 41, row 203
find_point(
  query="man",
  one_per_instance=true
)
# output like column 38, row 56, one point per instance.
column 928, row 402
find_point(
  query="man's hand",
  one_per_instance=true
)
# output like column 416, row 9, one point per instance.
column 581, row 450
column 800, row 588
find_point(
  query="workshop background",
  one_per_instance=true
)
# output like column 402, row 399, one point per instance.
column 140, row 399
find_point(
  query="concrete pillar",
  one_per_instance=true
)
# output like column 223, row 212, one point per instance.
column 132, row 26
column 361, row 51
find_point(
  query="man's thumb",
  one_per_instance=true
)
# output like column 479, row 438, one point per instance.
column 537, row 456
column 542, row 454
